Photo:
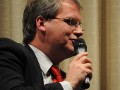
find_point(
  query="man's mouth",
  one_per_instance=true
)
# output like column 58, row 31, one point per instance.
column 73, row 41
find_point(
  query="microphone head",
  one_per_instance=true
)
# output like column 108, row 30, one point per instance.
column 79, row 46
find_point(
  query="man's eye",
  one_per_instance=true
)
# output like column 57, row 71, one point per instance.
column 68, row 21
column 73, row 22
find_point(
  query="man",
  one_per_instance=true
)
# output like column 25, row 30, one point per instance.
column 50, row 28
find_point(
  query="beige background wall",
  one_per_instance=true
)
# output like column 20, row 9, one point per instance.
column 101, row 19
column 11, row 18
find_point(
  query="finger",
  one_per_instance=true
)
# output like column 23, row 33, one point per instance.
column 88, row 66
column 88, row 69
column 77, row 57
column 84, row 59
column 89, row 73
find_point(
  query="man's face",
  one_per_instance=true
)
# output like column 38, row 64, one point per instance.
column 59, row 34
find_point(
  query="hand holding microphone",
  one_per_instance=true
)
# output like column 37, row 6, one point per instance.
column 80, row 46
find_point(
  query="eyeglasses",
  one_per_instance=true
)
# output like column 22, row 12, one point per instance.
column 71, row 22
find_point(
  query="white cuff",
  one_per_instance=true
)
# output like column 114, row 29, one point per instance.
column 66, row 85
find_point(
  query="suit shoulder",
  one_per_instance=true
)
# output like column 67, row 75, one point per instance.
column 7, row 42
column 8, row 45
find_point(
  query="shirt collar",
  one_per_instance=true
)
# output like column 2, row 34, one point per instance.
column 43, row 60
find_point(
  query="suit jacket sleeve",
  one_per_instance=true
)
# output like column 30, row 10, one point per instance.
column 15, row 70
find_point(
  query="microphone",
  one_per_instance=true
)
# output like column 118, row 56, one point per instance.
column 80, row 46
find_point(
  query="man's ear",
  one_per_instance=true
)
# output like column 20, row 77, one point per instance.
column 40, row 23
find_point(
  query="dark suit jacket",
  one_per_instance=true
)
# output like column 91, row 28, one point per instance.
column 19, row 68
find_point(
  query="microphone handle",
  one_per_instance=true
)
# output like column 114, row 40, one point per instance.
column 86, row 83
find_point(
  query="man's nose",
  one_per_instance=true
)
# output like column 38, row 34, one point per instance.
column 78, row 31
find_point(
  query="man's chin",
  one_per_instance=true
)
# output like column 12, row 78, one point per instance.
column 71, row 52
column 72, row 49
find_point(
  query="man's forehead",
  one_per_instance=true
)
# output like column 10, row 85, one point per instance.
column 68, row 3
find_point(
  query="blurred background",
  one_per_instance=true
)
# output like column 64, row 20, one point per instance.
column 101, row 19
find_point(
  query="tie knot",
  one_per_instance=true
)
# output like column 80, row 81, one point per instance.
column 56, row 73
column 55, row 70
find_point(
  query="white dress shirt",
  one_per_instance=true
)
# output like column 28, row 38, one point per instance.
column 45, row 65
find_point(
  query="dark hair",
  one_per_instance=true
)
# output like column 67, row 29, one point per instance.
column 34, row 8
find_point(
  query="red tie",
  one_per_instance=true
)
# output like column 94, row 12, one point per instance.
column 56, row 73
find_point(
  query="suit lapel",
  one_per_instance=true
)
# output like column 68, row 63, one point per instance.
column 38, row 72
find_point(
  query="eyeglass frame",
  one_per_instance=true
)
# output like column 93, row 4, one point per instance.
column 72, row 26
